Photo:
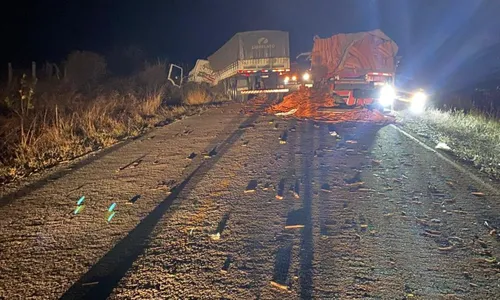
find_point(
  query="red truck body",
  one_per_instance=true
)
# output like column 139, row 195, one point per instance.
column 355, row 65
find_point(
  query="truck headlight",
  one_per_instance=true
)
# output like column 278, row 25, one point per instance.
column 418, row 102
column 387, row 95
column 286, row 80
column 306, row 77
column 294, row 78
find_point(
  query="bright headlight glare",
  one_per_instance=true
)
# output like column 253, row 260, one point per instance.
column 294, row 78
column 419, row 97
column 306, row 76
column 286, row 79
column 387, row 95
column 418, row 102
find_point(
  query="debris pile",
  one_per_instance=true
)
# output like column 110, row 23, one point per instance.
column 255, row 104
column 314, row 104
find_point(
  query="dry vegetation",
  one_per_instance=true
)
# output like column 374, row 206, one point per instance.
column 48, row 121
column 473, row 136
column 200, row 94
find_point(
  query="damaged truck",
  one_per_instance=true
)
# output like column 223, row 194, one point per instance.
column 253, row 62
column 358, row 68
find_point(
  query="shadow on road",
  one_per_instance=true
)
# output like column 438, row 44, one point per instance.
column 354, row 141
column 111, row 268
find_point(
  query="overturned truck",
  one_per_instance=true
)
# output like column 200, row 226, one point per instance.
column 252, row 62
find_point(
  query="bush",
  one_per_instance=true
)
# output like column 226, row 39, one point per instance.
column 83, row 67
column 41, row 129
column 153, row 76
column 196, row 94
column 49, row 121
column 202, row 93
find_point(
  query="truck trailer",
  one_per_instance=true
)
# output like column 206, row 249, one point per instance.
column 359, row 68
column 252, row 62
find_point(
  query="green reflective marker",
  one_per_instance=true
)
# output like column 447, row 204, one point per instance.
column 111, row 207
column 80, row 201
column 110, row 216
column 79, row 209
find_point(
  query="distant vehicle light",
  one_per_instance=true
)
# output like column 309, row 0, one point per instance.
column 286, row 80
column 418, row 102
column 387, row 95
column 306, row 77
column 294, row 78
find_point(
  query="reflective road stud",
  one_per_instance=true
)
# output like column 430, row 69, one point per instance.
column 110, row 213
column 80, row 201
column 79, row 205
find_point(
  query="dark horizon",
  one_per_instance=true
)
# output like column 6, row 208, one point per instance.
column 433, row 37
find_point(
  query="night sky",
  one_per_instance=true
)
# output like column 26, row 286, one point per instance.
column 436, row 37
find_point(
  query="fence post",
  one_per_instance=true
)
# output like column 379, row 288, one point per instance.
column 49, row 70
column 58, row 73
column 9, row 70
column 33, row 70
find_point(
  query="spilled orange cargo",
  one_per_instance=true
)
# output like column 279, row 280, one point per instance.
column 311, row 104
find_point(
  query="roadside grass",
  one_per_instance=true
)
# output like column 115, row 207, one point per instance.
column 473, row 137
column 44, row 123
column 201, row 94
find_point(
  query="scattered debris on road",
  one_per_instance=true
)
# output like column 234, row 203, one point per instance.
column 278, row 285
column 314, row 104
column 210, row 154
column 134, row 199
column 283, row 137
column 281, row 188
column 443, row 146
column 132, row 164
column 226, row 265
column 334, row 133
column 288, row 113
column 251, row 187
column 215, row 236
column 325, row 187
column 296, row 226
column 296, row 189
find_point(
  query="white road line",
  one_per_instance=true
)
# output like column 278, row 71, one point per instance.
column 449, row 161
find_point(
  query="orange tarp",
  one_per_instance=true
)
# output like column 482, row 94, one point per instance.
column 353, row 54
